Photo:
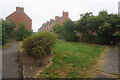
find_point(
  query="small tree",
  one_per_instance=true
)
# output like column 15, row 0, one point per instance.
column 58, row 30
column 22, row 32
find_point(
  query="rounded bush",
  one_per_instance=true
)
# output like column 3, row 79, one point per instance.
column 39, row 45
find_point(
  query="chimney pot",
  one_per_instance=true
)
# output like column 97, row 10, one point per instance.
column 56, row 17
column 47, row 22
column 19, row 9
column 51, row 20
column 65, row 14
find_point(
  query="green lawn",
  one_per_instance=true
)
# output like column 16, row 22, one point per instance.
column 72, row 60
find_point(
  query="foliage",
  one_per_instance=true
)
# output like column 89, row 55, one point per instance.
column 88, row 38
column 58, row 29
column 101, row 28
column 4, row 36
column 0, row 32
column 69, row 26
column 70, row 36
column 7, row 28
column 67, row 31
column 39, row 45
column 22, row 32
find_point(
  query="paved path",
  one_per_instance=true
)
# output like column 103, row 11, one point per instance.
column 9, row 60
column 110, row 66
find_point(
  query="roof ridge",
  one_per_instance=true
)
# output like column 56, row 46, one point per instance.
column 53, row 22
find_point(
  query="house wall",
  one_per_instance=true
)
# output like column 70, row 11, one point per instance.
column 61, row 21
column 19, row 16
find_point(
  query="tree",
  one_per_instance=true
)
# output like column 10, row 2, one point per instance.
column 110, row 25
column 69, row 26
column 7, row 29
column 22, row 32
column 83, row 25
column 69, row 33
column 66, row 31
column 9, row 26
column 58, row 30
column 102, row 28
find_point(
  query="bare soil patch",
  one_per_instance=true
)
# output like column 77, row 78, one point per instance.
column 31, row 67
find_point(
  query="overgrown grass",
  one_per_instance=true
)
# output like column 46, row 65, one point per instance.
column 5, row 46
column 72, row 60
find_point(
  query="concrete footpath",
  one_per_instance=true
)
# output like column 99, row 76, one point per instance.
column 9, row 61
column 110, row 65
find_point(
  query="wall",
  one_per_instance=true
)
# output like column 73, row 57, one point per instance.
column 19, row 16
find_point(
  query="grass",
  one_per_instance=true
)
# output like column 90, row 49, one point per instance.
column 72, row 60
column 0, row 46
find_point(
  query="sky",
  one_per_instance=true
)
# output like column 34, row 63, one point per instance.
column 41, row 11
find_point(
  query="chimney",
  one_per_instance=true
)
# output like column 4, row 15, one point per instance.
column 19, row 9
column 43, row 24
column 48, row 22
column 65, row 14
column 51, row 20
column 56, row 17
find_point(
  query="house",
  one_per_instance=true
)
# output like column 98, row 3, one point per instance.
column 19, row 16
column 48, row 26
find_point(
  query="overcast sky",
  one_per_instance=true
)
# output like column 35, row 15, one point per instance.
column 41, row 11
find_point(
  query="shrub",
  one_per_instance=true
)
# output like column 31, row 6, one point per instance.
column 70, row 36
column 39, row 45
column 100, row 39
column 4, row 38
column 88, row 38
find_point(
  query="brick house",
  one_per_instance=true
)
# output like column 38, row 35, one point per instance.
column 19, row 16
column 48, row 26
